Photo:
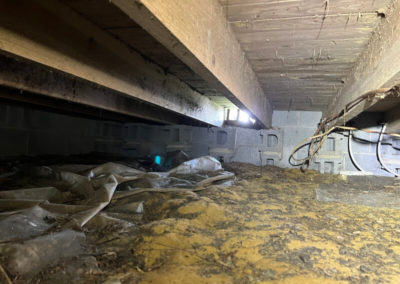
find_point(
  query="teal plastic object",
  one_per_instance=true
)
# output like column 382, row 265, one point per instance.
column 157, row 160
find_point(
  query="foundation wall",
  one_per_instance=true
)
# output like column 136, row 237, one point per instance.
column 30, row 132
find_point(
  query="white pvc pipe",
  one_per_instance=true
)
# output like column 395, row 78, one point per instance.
column 351, row 152
column 378, row 152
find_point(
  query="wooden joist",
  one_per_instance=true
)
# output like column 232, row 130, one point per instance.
column 378, row 63
column 52, row 34
column 30, row 79
column 243, row 10
column 198, row 33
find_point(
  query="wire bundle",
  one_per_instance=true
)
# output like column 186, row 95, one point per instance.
column 316, row 141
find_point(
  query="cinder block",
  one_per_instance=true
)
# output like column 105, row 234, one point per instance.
column 106, row 129
column 89, row 129
column 15, row 117
column 13, row 142
column 309, row 119
column 280, row 118
column 109, row 146
column 3, row 115
column 396, row 146
column 38, row 119
column 79, row 143
column 99, row 129
column 47, row 142
column 116, row 130
column 145, row 133
column 200, row 149
column 130, row 131
column 186, row 135
column 204, row 135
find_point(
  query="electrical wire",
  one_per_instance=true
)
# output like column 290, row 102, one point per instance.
column 320, row 135
column 319, row 140
column 378, row 152
column 353, row 160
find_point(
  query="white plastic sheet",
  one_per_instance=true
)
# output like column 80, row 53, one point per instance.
column 36, row 223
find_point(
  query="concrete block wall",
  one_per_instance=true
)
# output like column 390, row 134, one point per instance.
column 25, row 131
column 298, row 125
column 366, row 153
column 228, row 144
column 334, row 156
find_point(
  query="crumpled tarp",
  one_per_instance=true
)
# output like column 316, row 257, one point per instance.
column 34, row 221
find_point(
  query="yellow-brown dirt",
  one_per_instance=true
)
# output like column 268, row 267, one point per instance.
column 263, row 229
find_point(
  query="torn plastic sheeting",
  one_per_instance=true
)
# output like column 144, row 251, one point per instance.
column 114, row 169
column 197, row 172
column 175, row 158
column 13, row 205
column 96, row 199
column 156, row 182
column 100, row 199
column 43, row 193
column 223, row 176
column 98, row 191
column 9, row 174
column 124, row 194
column 99, row 185
column 73, row 168
column 33, row 255
column 171, row 182
column 78, row 184
column 42, row 171
column 199, row 165
column 103, row 220
column 26, row 223
column 36, row 212
column 135, row 207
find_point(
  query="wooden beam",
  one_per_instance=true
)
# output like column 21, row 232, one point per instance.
column 377, row 64
column 198, row 33
column 393, row 119
column 242, row 10
column 54, row 35
column 18, row 97
column 32, row 78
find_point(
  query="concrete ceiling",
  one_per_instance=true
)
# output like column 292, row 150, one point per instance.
column 302, row 50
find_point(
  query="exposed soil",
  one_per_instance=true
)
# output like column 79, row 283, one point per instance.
column 266, row 228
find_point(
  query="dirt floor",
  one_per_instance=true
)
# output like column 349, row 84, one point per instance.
column 272, row 226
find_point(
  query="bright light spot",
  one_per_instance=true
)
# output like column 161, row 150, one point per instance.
column 157, row 160
column 239, row 115
column 233, row 114
column 243, row 116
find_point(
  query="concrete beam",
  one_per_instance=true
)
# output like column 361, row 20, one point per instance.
column 198, row 33
column 54, row 35
column 378, row 63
